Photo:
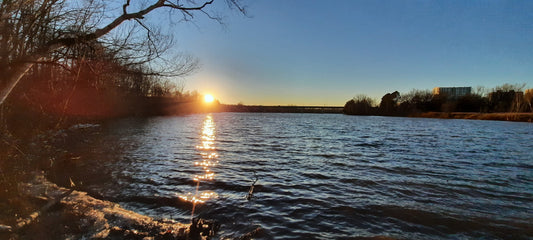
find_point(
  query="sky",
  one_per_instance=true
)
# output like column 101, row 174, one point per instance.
column 288, row 52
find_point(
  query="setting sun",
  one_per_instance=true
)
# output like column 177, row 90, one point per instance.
column 209, row 98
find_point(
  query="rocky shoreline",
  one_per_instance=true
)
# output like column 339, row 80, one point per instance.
column 71, row 214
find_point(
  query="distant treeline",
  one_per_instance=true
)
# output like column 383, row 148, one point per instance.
column 505, row 98
column 278, row 109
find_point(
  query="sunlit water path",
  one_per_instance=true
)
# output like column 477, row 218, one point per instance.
column 319, row 176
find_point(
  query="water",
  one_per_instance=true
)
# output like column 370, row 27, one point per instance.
column 319, row 176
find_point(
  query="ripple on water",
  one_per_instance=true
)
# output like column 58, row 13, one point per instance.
column 321, row 176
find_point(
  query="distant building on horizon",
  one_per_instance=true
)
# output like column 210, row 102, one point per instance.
column 452, row 92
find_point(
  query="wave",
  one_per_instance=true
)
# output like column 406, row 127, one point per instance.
column 328, row 179
column 153, row 200
column 369, row 144
column 446, row 224
column 316, row 176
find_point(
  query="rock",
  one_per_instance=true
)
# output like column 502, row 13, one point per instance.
column 85, row 217
column 102, row 234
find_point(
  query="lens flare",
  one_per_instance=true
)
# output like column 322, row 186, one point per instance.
column 208, row 98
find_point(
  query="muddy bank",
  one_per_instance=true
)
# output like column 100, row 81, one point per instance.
column 70, row 214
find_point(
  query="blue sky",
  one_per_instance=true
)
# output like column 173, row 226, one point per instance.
column 326, row 52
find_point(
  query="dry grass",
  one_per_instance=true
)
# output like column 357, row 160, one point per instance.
column 515, row 117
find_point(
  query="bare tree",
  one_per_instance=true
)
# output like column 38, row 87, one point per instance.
column 528, row 99
column 507, row 87
column 36, row 31
column 359, row 105
column 480, row 91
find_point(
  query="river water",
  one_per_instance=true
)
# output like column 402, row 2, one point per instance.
column 319, row 176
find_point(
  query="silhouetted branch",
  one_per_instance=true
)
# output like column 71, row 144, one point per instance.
column 32, row 31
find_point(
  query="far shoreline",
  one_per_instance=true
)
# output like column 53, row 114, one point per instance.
column 500, row 116
column 512, row 117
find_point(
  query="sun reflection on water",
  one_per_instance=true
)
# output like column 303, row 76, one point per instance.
column 209, row 159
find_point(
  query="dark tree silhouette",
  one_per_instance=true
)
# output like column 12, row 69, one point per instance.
column 502, row 101
column 471, row 103
column 35, row 31
column 389, row 103
column 504, row 98
column 360, row 105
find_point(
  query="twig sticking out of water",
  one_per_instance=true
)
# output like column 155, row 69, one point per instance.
column 251, row 191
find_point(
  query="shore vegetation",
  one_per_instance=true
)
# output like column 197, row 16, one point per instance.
column 508, row 102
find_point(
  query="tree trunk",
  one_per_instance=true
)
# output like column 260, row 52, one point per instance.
column 12, row 79
column 19, row 67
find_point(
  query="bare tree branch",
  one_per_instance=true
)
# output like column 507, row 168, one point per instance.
column 31, row 31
